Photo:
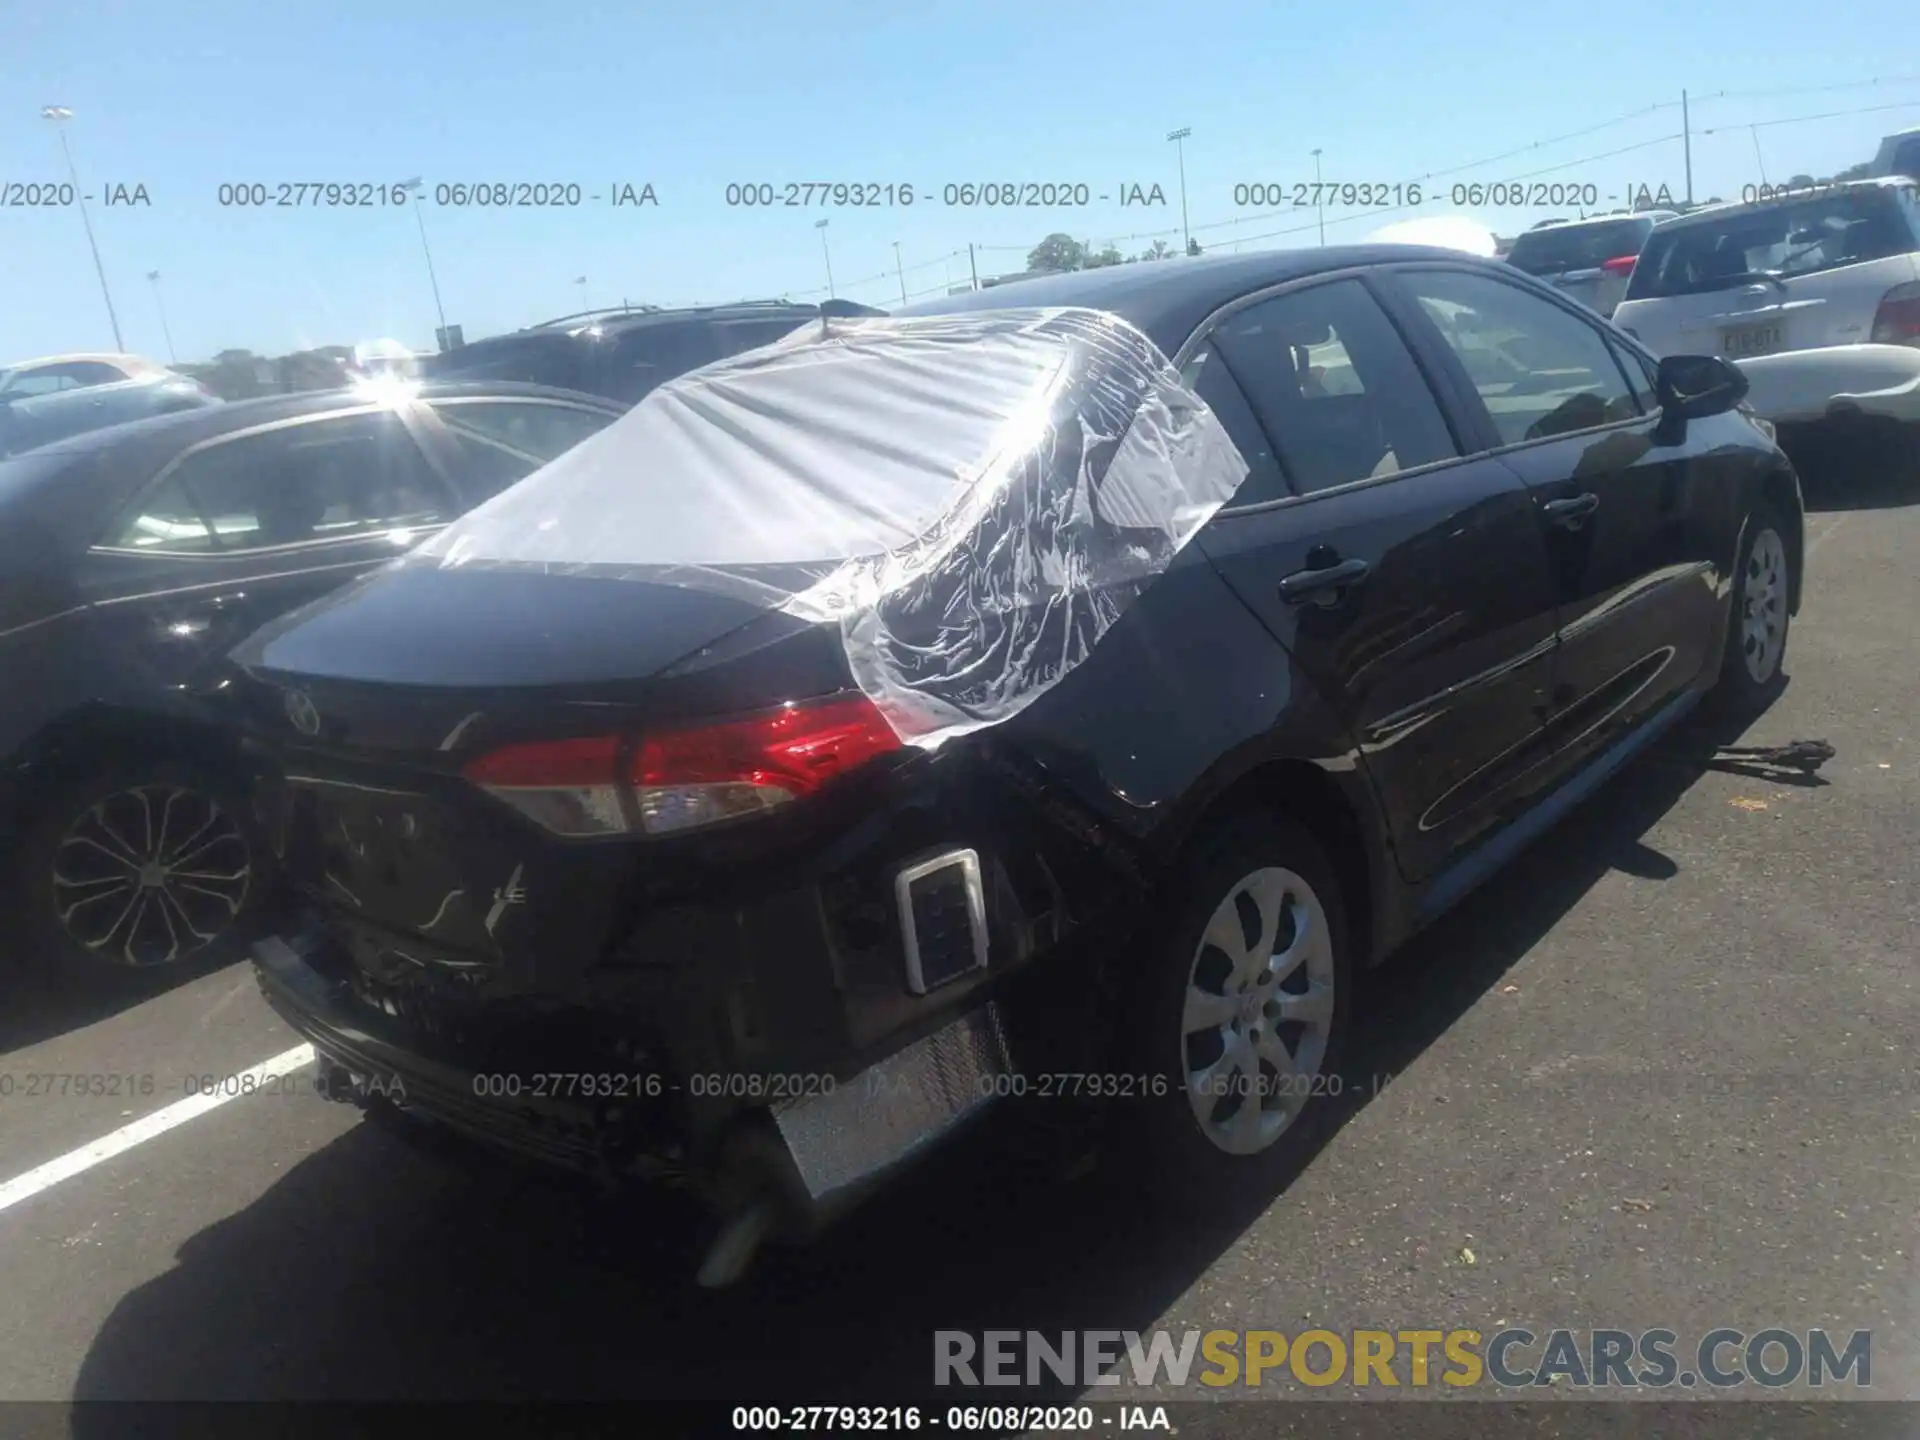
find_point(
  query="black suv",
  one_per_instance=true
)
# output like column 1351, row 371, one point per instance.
column 622, row 354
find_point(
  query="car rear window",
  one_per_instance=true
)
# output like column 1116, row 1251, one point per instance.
column 1577, row 247
column 1800, row 237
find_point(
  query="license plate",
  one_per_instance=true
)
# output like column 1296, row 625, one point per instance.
column 1753, row 340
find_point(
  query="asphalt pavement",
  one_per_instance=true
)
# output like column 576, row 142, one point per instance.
column 1659, row 1073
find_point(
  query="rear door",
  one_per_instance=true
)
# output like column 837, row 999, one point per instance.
column 1797, row 275
column 1638, row 527
column 1409, row 583
column 238, row 530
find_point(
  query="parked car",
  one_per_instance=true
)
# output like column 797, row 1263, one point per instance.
column 622, row 354
column 53, row 373
column 36, row 420
column 1589, row 260
column 1899, row 154
column 1817, row 295
column 131, row 559
column 744, row 800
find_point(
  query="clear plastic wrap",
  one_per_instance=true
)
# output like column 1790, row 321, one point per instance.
column 972, row 499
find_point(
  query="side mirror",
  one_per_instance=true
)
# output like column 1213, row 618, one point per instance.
column 1692, row 387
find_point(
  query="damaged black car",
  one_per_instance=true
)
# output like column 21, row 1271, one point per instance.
column 1086, row 679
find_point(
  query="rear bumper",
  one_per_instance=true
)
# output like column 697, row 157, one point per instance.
column 1836, row 382
column 814, row 1145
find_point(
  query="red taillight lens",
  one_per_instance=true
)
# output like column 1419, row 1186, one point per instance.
column 1620, row 264
column 1897, row 321
column 680, row 779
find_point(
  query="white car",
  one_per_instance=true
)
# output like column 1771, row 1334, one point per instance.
column 51, row 373
column 1588, row 260
column 1816, row 295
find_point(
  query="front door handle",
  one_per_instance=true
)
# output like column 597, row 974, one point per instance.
column 1570, row 514
column 1322, row 586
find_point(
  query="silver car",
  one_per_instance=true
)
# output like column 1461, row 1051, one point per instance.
column 1589, row 260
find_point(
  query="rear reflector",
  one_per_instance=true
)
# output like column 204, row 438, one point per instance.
column 1620, row 264
column 678, row 779
column 1897, row 321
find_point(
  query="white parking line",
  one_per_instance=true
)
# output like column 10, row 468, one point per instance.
column 45, row 1176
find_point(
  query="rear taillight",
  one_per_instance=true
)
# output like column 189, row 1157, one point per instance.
column 1897, row 321
column 1619, row 265
column 679, row 779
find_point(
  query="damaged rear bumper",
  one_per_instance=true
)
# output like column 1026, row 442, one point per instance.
column 806, row 1149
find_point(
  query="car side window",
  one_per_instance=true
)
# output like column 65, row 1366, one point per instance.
column 164, row 519
column 501, row 442
column 1540, row 370
column 91, row 372
column 335, row 479
column 651, row 355
column 735, row 337
column 1334, row 386
column 1207, row 377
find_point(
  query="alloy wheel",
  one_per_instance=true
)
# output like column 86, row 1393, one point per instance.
column 1763, row 606
column 150, row 875
column 1259, row 1011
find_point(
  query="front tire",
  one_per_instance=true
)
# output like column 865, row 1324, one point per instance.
column 143, row 868
column 1758, row 622
column 1248, row 1001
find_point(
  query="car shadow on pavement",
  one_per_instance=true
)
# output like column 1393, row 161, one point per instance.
column 1857, row 471
column 375, row 1269
column 38, row 1004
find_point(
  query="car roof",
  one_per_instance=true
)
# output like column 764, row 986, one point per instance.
column 1710, row 213
column 1554, row 227
column 640, row 317
column 191, row 426
column 106, row 357
column 1167, row 299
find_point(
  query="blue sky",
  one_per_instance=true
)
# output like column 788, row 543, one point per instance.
column 187, row 96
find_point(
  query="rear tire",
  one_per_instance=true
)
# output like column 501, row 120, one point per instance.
column 140, row 869
column 1246, row 1002
column 1758, row 621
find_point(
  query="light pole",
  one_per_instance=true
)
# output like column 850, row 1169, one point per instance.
column 1178, row 137
column 821, row 226
column 900, row 273
column 59, row 115
column 1319, row 202
column 417, row 190
column 165, row 329
column 581, row 281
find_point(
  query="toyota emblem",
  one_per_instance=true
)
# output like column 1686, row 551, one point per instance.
column 301, row 712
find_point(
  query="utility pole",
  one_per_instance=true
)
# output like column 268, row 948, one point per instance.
column 899, row 273
column 1178, row 137
column 1686, row 139
column 973, row 265
column 821, row 226
column 165, row 329
column 416, row 187
column 1318, row 200
column 59, row 115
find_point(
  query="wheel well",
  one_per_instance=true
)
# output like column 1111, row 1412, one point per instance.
column 1783, row 493
column 1306, row 794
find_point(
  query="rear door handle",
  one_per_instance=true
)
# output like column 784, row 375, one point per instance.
column 1570, row 514
column 1323, row 585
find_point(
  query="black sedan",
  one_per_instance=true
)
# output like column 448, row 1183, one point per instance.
column 1063, row 691
column 131, row 559
column 36, row 420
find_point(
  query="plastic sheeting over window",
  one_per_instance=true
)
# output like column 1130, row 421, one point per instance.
column 973, row 500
